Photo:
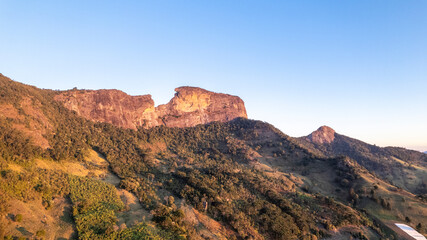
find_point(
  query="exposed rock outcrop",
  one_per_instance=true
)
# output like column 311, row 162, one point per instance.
column 190, row 106
column 322, row 135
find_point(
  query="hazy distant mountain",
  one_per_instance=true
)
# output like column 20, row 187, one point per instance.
column 86, row 164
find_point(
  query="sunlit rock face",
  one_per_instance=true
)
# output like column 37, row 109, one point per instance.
column 323, row 135
column 189, row 107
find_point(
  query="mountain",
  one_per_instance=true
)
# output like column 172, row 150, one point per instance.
column 401, row 167
column 66, row 172
column 190, row 106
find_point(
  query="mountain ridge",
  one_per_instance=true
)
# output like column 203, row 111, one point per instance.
column 387, row 162
column 190, row 106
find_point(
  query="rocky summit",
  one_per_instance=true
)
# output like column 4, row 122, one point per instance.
column 322, row 135
column 189, row 107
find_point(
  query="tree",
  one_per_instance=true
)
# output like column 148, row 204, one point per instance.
column 171, row 201
column 419, row 227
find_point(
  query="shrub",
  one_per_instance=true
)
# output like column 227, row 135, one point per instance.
column 419, row 227
column 18, row 217
column 41, row 233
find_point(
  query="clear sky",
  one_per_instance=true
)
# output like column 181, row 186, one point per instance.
column 359, row 67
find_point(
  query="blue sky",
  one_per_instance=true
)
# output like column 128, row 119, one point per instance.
column 359, row 67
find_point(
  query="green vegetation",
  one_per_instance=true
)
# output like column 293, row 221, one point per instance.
column 14, row 146
column 41, row 233
column 95, row 204
column 26, row 186
column 143, row 231
column 18, row 217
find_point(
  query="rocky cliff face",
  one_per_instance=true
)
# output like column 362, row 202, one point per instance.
column 322, row 135
column 190, row 106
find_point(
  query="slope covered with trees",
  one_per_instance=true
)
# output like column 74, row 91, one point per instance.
column 401, row 167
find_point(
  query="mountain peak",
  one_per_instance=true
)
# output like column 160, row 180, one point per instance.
column 322, row 135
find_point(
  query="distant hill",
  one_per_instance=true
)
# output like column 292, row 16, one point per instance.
column 64, row 174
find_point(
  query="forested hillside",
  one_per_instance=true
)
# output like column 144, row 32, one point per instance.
column 241, row 179
column 401, row 167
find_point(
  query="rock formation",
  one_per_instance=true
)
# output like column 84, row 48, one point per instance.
column 190, row 106
column 322, row 135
